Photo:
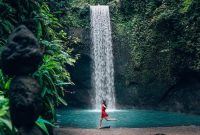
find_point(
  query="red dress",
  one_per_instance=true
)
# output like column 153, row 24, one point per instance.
column 103, row 112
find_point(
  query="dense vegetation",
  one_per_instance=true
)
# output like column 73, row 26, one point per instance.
column 156, row 47
column 166, row 30
column 43, row 19
column 163, row 36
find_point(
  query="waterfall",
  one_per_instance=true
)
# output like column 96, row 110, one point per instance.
column 102, row 54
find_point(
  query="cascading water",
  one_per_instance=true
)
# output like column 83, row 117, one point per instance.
column 102, row 54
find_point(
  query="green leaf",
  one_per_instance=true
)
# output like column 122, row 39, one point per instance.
column 51, row 106
column 7, row 85
column 63, row 83
column 62, row 101
column 43, row 127
column 6, row 122
column 39, row 29
column 44, row 91
column 41, row 120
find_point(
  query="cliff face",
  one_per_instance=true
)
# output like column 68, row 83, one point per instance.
column 156, row 56
column 144, row 90
column 82, row 92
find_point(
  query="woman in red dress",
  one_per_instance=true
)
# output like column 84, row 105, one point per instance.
column 104, row 114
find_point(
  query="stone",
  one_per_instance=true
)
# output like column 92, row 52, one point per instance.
column 25, row 101
column 32, row 131
column 22, row 53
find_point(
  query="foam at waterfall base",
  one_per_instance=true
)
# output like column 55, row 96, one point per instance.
column 107, row 110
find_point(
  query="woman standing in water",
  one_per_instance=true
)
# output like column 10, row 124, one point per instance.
column 104, row 114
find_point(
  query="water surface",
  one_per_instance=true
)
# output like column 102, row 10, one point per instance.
column 126, row 118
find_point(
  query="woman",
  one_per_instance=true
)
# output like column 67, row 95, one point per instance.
column 104, row 114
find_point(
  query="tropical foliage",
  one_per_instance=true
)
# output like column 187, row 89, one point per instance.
column 161, row 36
column 156, row 40
column 5, row 124
column 165, row 32
column 52, row 75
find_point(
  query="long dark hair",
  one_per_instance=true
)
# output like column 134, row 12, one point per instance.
column 104, row 102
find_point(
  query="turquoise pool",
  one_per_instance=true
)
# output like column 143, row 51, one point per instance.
column 126, row 118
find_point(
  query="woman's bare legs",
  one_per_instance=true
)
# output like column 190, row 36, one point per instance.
column 101, row 122
column 106, row 118
column 110, row 119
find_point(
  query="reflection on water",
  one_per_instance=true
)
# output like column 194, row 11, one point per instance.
column 126, row 118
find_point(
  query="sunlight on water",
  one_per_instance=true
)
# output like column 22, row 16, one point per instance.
column 108, row 110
